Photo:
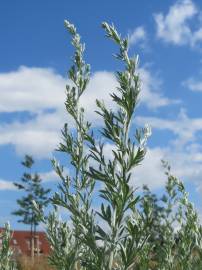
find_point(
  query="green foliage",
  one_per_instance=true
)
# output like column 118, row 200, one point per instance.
column 31, row 185
column 75, row 190
column 128, row 231
column 61, row 239
column 118, row 209
column 175, row 231
column 93, row 247
column 6, row 254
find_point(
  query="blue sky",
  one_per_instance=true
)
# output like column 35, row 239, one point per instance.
column 35, row 54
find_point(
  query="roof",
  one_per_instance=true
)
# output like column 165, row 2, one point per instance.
column 21, row 242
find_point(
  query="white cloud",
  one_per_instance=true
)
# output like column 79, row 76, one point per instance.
column 102, row 83
column 6, row 185
column 40, row 135
column 46, row 177
column 50, row 176
column 174, row 27
column 138, row 36
column 193, row 84
column 31, row 137
column 151, row 94
column 150, row 171
column 187, row 165
column 37, row 90
column 31, row 89
column 196, row 37
column 184, row 127
column 183, row 153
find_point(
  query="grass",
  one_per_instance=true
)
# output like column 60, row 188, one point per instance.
column 26, row 263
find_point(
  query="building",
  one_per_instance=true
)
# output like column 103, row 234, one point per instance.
column 23, row 244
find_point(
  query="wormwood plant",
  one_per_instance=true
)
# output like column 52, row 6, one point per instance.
column 6, row 254
column 76, row 189
column 127, row 232
column 87, row 244
column 175, row 230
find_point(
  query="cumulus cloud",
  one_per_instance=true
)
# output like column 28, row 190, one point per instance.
column 183, row 127
column 175, row 27
column 150, row 171
column 138, row 35
column 40, row 140
column 186, row 164
column 41, row 134
column 102, row 83
column 31, row 89
column 193, row 84
column 50, row 176
column 40, row 91
column 37, row 89
column 183, row 152
column 6, row 185
column 151, row 94
column 47, row 177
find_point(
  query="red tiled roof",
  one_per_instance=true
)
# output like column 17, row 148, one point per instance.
column 21, row 242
